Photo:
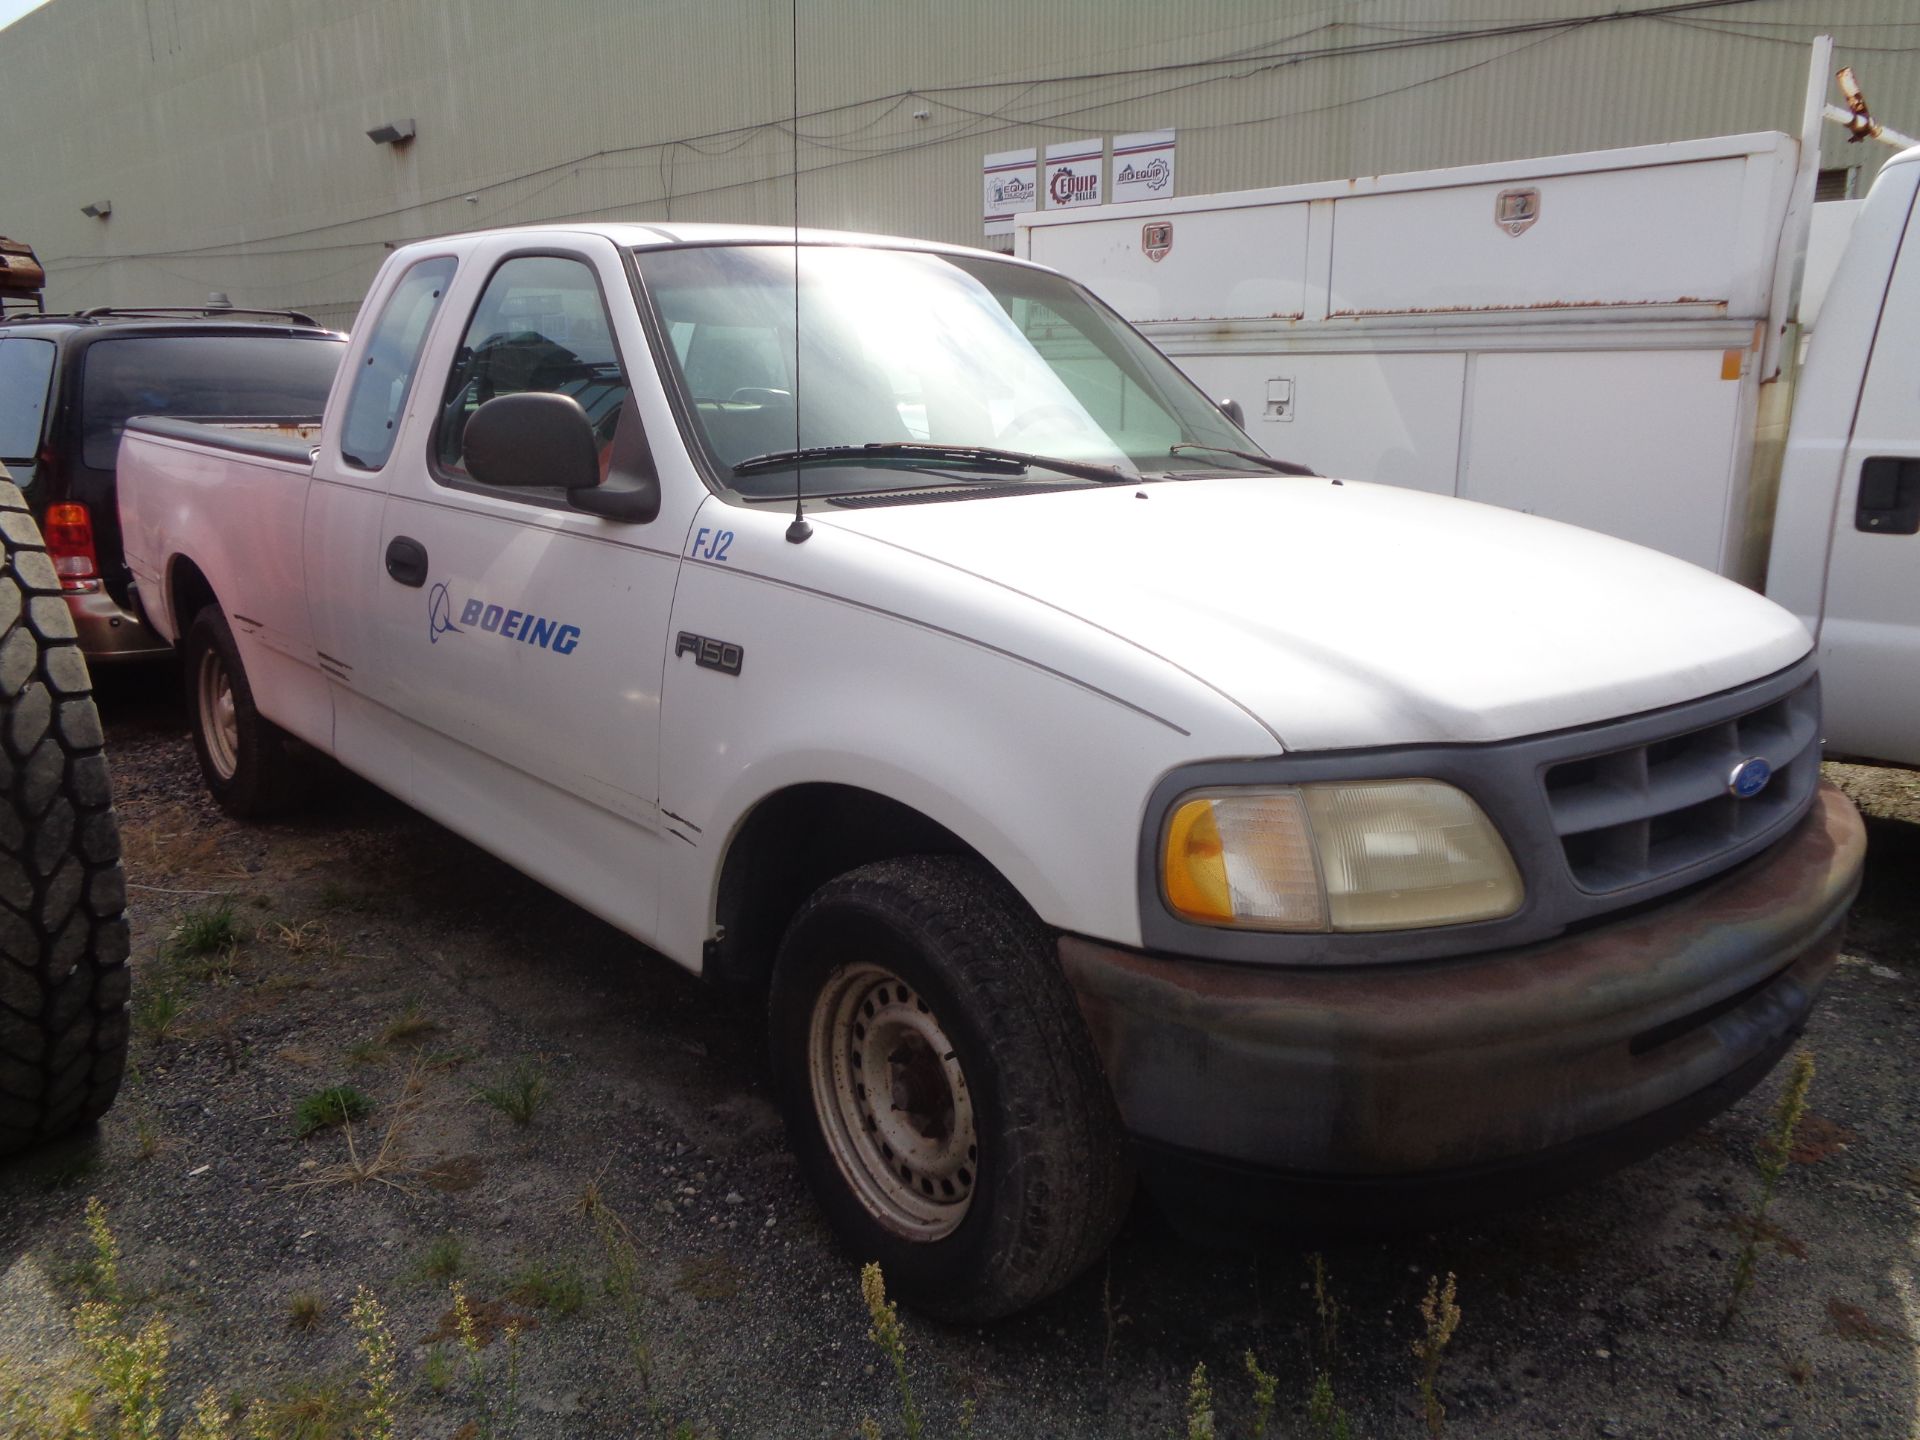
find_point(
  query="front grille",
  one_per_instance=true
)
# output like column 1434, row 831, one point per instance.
column 1645, row 812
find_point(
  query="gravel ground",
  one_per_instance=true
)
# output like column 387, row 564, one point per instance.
column 1595, row 1314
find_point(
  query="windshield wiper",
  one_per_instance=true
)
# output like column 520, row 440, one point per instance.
column 914, row 453
column 1282, row 467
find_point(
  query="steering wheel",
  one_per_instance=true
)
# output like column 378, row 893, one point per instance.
column 1032, row 418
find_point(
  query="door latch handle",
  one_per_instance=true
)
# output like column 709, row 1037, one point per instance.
column 407, row 561
column 1889, row 499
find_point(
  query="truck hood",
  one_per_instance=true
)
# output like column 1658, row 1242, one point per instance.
column 1340, row 614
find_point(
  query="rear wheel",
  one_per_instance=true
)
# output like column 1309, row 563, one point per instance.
column 63, row 928
column 941, row 1090
column 248, row 762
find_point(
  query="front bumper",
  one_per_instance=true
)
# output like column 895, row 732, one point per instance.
column 1481, row 1064
column 108, row 633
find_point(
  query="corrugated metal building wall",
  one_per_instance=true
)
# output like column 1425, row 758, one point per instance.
column 230, row 135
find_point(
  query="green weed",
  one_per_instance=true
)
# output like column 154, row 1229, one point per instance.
column 304, row 1310
column 1772, row 1154
column 325, row 1409
column 1327, row 1310
column 444, row 1259
column 519, row 1096
column 891, row 1336
column 1265, row 1389
column 1324, row 1415
column 377, row 1352
column 542, row 1287
column 1199, row 1405
column 204, row 931
column 157, row 1011
column 365, row 1052
column 324, row 1109
column 1440, row 1317
column 491, row 1422
column 627, row 1291
column 437, row 1369
column 1328, row 1420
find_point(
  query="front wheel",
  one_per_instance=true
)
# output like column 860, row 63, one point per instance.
column 940, row 1088
column 246, row 760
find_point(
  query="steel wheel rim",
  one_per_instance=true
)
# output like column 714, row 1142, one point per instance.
column 906, row 1146
column 219, row 721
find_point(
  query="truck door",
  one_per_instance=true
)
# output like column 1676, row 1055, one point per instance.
column 1870, row 628
column 522, row 641
column 341, row 537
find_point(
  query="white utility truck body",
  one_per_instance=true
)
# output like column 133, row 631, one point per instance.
column 1607, row 339
column 1117, row 784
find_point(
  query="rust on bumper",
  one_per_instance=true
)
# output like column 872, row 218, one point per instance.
column 1443, row 1066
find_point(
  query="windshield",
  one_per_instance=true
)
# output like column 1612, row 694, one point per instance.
column 26, row 365
column 903, row 347
column 208, row 377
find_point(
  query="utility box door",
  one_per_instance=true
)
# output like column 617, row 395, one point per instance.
column 1232, row 262
column 1640, row 444
column 1394, row 418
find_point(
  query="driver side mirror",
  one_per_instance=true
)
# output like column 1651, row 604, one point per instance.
column 543, row 440
column 1231, row 409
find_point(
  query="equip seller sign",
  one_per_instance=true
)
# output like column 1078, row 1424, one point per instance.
column 1073, row 173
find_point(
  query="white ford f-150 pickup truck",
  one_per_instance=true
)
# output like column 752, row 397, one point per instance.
column 887, row 631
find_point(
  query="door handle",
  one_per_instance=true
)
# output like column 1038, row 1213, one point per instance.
column 1889, row 499
column 407, row 561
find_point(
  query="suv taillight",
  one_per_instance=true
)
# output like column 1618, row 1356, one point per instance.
column 68, row 529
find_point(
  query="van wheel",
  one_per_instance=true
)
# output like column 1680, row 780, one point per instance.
column 63, row 896
column 941, row 1090
column 248, row 761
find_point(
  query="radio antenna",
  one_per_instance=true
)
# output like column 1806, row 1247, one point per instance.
column 799, row 530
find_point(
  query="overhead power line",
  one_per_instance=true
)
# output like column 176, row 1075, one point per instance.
column 1247, row 63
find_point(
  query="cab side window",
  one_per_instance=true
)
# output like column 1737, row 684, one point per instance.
column 386, row 369
column 540, row 326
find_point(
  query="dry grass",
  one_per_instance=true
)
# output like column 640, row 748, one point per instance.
column 389, row 1164
column 308, row 941
column 305, row 1310
column 179, row 842
column 409, row 1027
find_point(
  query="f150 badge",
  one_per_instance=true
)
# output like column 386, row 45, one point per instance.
column 490, row 619
column 712, row 654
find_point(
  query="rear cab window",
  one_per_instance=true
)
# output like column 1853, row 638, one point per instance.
column 385, row 372
column 26, row 377
column 203, row 377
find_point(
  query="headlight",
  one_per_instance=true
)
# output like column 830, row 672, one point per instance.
column 1346, row 855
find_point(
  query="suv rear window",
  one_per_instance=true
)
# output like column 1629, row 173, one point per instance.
column 26, row 364
column 207, row 377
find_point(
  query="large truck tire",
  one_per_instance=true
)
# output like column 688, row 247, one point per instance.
column 63, row 895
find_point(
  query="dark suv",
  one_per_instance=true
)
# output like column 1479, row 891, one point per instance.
column 69, row 383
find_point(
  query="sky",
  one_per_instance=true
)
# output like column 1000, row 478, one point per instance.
column 12, row 10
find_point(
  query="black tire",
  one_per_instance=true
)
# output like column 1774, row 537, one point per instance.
column 1051, row 1182
column 248, row 762
column 63, row 895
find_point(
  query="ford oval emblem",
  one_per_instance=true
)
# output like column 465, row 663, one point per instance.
column 1749, row 778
